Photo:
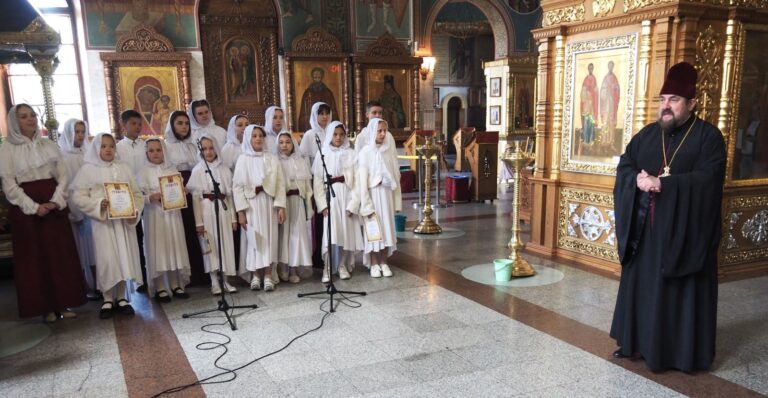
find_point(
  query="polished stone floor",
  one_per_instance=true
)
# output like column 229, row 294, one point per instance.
column 428, row 331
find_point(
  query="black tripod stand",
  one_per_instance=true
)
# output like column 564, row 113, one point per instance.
column 223, row 305
column 330, row 288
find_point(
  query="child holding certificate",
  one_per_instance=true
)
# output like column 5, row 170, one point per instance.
column 345, row 225
column 379, row 187
column 105, row 191
column 294, row 242
column 260, row 201
column 203, row 202
column 165, row 247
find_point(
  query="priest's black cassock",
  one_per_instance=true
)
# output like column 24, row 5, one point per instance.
column 666, row 308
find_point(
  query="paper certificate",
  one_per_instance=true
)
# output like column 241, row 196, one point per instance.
column 120, row 200
column 172, row 192
column 372, row 228
column 205, row 244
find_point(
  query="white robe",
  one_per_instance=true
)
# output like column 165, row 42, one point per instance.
column 218, row 133
column 260, row 210
column 229, row 154
column 81, row 225
column 132, row 153
column 205, row 216
column 295, row 242
column 114, row 241
column 379, row 192
column 165, row 246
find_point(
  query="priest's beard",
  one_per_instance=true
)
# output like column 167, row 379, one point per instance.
column 676, row 121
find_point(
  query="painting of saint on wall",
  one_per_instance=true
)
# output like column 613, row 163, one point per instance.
column 391, row 87
column 107, row 20
column 461, row 60
column 241, row 70
column 524, row 103
column 151, row 91
column 374, row 17
column 599, row 102
column 315, row 81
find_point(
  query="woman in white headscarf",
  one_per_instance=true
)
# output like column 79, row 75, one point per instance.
column 72, row 143
column 201, row 119
column 114, row 240
column 204, row 201
column 259, row 188
column 378, row 185
column 231, row 150
column 47, row 276
column 295, row 243
column 165, row 247
column 345, row 236
column 319, row 118
column 274, row 123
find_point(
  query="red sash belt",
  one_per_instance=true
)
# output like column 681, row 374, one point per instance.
column 337, row 179
column 292, row 192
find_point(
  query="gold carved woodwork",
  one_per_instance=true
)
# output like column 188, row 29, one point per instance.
column 587, row 224
column 630, row 5
column 316, row 41
column 601, row 8
column 745, row 230
column 708, row 63
column 643, row 76
column 728, row 88
column 563, row 15
column 557, row 108
column 143, row 38
column 386, row 46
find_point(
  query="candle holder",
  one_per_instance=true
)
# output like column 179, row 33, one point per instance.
column 427, row 225
column 517, row 159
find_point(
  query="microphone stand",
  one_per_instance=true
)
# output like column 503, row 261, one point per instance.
column 330, row 288
column 223, row 305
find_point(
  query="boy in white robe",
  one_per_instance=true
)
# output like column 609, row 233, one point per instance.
column 260, row 201
column 114, row 240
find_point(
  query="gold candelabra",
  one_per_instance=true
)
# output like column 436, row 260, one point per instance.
column 427, row 225
column 517, row 159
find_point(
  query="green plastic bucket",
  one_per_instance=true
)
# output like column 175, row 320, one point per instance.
column 503, row 268
column 400, row 222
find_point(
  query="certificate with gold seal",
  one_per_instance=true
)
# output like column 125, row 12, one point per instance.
column 172, row 192
column 120, row 199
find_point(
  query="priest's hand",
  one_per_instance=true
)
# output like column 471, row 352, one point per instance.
column 647, row 182
column 280, row 215
column 242, row 220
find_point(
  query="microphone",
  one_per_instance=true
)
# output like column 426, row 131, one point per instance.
column 317, row 140
column 199, row 146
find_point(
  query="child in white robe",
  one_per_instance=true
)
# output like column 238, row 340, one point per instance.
column 201, row 120
column 319, row 117
column 378, row 185
column 231, row 150
column 72, row 143
column 274, row 123
column 114, row 240
column 260, row 201
column 295, row 243
column 165, row 247
column 346, row 235
column 203, row 203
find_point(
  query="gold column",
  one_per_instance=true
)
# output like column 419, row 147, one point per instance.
column 643, row 70
column 557, row 108
column 45, row 66
column 516, row 159
column 427, row 225
column 729, row 69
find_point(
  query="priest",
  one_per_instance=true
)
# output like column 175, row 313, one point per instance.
column 669, row 185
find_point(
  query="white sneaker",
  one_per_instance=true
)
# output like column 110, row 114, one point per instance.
column 375, row 271
column 216, row 289
column 255, row 283
column 326, row 276
column 229, row 288
column 343, row 273
column 275, row 276
column 268, row 284
column 385, row 271
column 283, row 273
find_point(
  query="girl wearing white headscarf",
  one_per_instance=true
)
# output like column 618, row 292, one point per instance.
column 259, row 187
column 201, row 119
column 235, row 130
column 379, row 187
column 295, row 243
column 318, row 119
column 114, row 240
column 203, row 203
column 274, row 123
column 346, row 236
column 72, row 143
column 45, row 262
column 165, row 248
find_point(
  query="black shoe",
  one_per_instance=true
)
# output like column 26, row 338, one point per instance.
column 619, row 354
column 125, row 309
column 180, row 293
column 142, row 288
column 162, row 298
column 106, row 313
column 93, row 296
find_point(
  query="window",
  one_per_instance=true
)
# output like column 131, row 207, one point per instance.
column 67, row 94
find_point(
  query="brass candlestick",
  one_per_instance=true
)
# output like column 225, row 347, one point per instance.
column 427, row 225
column 517, row 159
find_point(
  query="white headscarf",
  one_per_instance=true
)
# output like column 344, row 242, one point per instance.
column 377, row 164
column 268, row 115
column 67, row 137
column 313, row 117
column 329, row 137
column 27, row 154
column 200, row 159
column 93, row 151
column 246, row 146
column 184, row 151
column 165, row 164
column 200, row 182
column 295, row 165
column 193, row 123
column 231, row 133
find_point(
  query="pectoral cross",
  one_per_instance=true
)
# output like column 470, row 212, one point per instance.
column 666, row 172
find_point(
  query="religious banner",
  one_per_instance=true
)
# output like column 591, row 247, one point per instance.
column 172, row 192
column 120, row 200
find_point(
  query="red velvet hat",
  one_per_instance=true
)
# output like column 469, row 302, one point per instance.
column 681, row 80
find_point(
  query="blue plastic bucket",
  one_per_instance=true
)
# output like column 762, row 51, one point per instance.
column 503, row 268
column 400, row 222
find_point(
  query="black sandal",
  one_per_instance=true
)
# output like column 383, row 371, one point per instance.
column 180, row 293
column 163, row 299
column 106, row 313
column 125, row 309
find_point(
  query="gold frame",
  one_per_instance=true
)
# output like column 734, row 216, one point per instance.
column 606, row 248
column 111, row 214
column 183, row 200
column 628, row 42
